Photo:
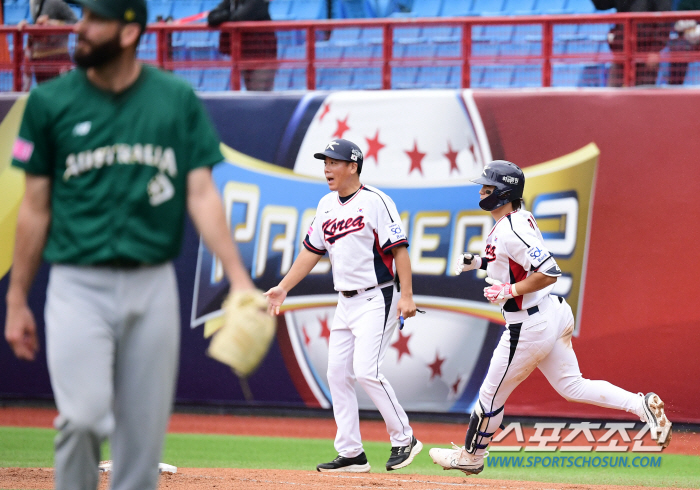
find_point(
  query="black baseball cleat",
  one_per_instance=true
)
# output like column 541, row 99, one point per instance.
column 402, row 456
column 358, row 464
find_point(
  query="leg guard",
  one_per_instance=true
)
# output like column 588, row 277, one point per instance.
column 477, row 435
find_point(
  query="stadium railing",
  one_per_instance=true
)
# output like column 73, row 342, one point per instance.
column 478, row 52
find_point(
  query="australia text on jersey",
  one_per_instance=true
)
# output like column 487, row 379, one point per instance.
column 155, row 156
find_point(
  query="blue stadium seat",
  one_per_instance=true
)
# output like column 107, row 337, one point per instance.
column 15, row 12
column 449, row 50
column 487, row 7
column 194, row 77
column 283, row 79
column 404, row 77
column 186, row 8
column 333, row 78
column 594, row 75
column 159, row 7
column 421, row 50
column 519, row 7
column 485, row 48
column 279, row 9
column 551, row 7
column 442, row 34
column 6, row 84
column 216, row 79
column 147, row 47
column 427, row 8
column 345, row 36
column 455, row 8
column 527, row 76
column 566, row 75
column 298, row 79
column 362, row 51
column 498, row 76
column 372, row 35
column 308, row 9
column 455, row 78
column 367, row 78
column 294, row 52
column 476, row 75
column 407, row 35
column 580, row 6
column 352, row 9
column 433, row 77
column 692, row 76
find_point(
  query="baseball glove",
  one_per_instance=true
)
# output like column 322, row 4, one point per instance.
column 246, row 333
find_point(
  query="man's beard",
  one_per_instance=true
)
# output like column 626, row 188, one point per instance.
column 100, row 54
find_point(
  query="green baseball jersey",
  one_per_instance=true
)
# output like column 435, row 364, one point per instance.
column 118, row 164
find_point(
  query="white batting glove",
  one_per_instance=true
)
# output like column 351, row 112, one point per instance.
column 498, row 292
column 467, row 262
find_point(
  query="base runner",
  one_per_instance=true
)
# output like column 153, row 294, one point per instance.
column 539, row 325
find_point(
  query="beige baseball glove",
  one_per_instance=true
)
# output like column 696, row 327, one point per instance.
column 244, row 339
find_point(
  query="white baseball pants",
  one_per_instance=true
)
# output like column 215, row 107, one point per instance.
column 112, row 339
column 543, row 340
column 361, row 331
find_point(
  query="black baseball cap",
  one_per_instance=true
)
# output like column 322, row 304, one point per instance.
column 340, row 149
column 123, row 10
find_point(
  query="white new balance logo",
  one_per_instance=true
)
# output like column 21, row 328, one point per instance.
column 82, row 128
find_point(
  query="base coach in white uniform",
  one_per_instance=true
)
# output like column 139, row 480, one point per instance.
column 361, row 230
column 539, row 326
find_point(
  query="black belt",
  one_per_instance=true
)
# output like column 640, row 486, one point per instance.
column 350, row 294
column 533, row 310
column 120, row 263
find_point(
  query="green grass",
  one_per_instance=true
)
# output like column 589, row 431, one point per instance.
column 20, row 447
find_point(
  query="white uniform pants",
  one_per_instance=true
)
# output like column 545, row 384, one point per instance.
column 361, row 331
column 112, row 340
column 544, row 340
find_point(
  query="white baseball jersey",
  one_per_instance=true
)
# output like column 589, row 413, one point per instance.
column 515, row 250
column 358, row 236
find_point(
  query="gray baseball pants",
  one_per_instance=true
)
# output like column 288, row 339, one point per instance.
column 113, row 338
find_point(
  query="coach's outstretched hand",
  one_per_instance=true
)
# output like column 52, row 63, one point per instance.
column 275, row 298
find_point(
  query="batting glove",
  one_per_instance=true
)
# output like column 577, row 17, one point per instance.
column 467, row 262
column 498, row 292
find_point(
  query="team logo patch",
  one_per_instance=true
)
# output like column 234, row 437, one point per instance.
column 395, row 232
column 356, row 154
column 22, row 150
column 330, row 146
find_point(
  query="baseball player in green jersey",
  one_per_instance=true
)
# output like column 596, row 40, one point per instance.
column 114, row 152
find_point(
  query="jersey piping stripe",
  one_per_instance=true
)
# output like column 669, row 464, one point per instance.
column 499, row 220
column 514, row 329
column 380, row 197
column 353, row 197
column 311, row 248
column 395, row 244
column 517, row 274
column 383, row 263
column 511, row 227
column 388, row 294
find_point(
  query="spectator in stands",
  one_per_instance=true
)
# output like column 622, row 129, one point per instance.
column 651, row 39
column 53, row 48
column 688, row 40
column 254, row 45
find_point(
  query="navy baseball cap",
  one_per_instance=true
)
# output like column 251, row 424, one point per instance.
column 123, row 10
column 340, row 149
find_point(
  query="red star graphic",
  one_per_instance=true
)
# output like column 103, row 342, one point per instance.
column 471, row 150
column 401, row 345
column 455, row 386
column 326, row 110
column 342, row 127
column 307, row 339
column 374, row 147
column 436, row 366
column 325, row 331
column 416, row 158
column 452, row 157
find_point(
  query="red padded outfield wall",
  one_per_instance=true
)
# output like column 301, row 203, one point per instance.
column 621, row 171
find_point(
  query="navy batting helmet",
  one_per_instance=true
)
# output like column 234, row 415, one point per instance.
column 509, row 181
column 340, row 149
